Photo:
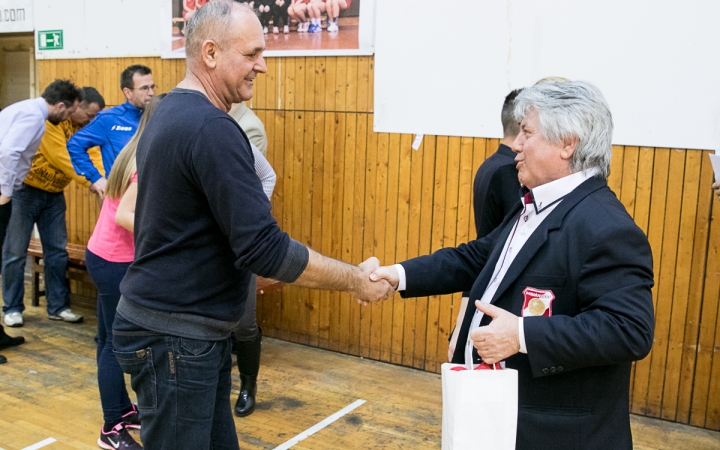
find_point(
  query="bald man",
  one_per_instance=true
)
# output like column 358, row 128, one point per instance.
column 202, row 228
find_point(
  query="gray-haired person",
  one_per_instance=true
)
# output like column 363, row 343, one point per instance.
column 202, row 228
column 562, row 287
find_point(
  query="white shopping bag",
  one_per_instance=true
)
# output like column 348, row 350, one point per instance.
column 480, row 408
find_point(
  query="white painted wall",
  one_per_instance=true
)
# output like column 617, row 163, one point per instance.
column 444, row 67
column 100, row 28
column 16, row 16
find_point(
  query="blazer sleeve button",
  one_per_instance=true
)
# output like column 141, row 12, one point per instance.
column 545, row 371
column 553, row 370
column 560, row 368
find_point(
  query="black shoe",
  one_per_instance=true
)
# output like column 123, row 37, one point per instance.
column 245, row 404
column 3, row 359
column 8, row 341
column 117, row 439
column 131, row 419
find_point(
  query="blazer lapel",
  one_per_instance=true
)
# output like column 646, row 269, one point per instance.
column 540, row 235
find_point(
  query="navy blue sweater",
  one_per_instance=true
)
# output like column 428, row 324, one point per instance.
column 202, row 224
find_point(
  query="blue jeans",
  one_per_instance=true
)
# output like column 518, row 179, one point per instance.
column 30, row 206
column 107, row 276
column 182, row 386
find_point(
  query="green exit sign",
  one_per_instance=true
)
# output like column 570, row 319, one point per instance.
column 50, row 40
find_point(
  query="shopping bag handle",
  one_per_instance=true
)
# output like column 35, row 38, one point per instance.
column 481, row 366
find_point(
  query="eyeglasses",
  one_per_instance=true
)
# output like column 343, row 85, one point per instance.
column 145, row 88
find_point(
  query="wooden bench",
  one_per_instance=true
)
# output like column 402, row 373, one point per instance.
column 76, row 260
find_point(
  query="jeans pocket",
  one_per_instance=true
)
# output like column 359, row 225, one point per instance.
column 139, row 365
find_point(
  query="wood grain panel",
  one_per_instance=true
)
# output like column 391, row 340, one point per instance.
column 351, row 193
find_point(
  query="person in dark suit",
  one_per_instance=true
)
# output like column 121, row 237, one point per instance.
column 562, row 286
column 495, row 190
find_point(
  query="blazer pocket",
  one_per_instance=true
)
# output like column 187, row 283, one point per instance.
column 562, row 428
column 543, row 281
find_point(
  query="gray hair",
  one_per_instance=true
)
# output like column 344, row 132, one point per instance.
column 212, row 21
column 570, row 109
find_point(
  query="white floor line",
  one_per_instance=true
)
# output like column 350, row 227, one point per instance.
column 312, row 430
column 40, row 444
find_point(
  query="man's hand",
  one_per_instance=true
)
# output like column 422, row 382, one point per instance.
column 388, row 273
column 4, row 199
column 99, row 187
column 716, row 186
column 368, row 290
column 499, row 340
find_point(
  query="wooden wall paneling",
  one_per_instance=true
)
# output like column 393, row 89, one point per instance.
column 416, row 158
column 394, row 308
column 274, row 82
column 351, row 85
column 683, row 265
column 629, row 179
column 308, row 327
column 275, row 124
column 319, row 79
column 422, row 306
column 436, row 236
column 371, row 85
column 287, row 217
column 329, row 300
column 341, row 83
column 363, row 101
column 616, row 168
column 341, row 302
column 309, row 89
column 287, row 83
column 450, row 239
column 359, row 222
column 294, row 316
column 369, row 229
column 708, row 321
column 666, row 279
column 381, row 197
column 706, row 199
column 316, row 324
column 348, row 140
column 479, row 155
column 338, row 188
column 406, row 308
column 658, row 172
column 331, row 63
column 298, row 94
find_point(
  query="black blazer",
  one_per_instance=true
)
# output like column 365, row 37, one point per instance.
column 574, row 380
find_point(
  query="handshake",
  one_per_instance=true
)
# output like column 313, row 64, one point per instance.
column 374, row 282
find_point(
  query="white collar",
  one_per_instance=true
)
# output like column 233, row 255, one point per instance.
column 550, row 193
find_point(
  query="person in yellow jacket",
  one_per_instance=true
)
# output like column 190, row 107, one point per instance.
column 41, row 201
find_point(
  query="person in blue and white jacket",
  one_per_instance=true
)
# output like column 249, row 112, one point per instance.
column 112, row 128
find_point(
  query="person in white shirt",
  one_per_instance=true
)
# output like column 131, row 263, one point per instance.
column 562, row 288
column 22, row 125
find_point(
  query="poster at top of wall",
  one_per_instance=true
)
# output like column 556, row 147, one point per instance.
column 16, row 16
column 291, row 27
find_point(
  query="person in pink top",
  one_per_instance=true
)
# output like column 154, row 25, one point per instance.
column 109, row 253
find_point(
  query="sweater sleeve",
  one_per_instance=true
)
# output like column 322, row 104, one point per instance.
column 78, row 146
column 22, row 132
column 224, row 168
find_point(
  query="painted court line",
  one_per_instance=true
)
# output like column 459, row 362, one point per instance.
column 310, row 431
column 40, row 444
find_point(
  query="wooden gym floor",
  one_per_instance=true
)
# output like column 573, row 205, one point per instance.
column 48, row 389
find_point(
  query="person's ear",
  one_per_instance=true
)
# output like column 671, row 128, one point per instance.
column 569, row 146
column 210, row 52
column 127, row 92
